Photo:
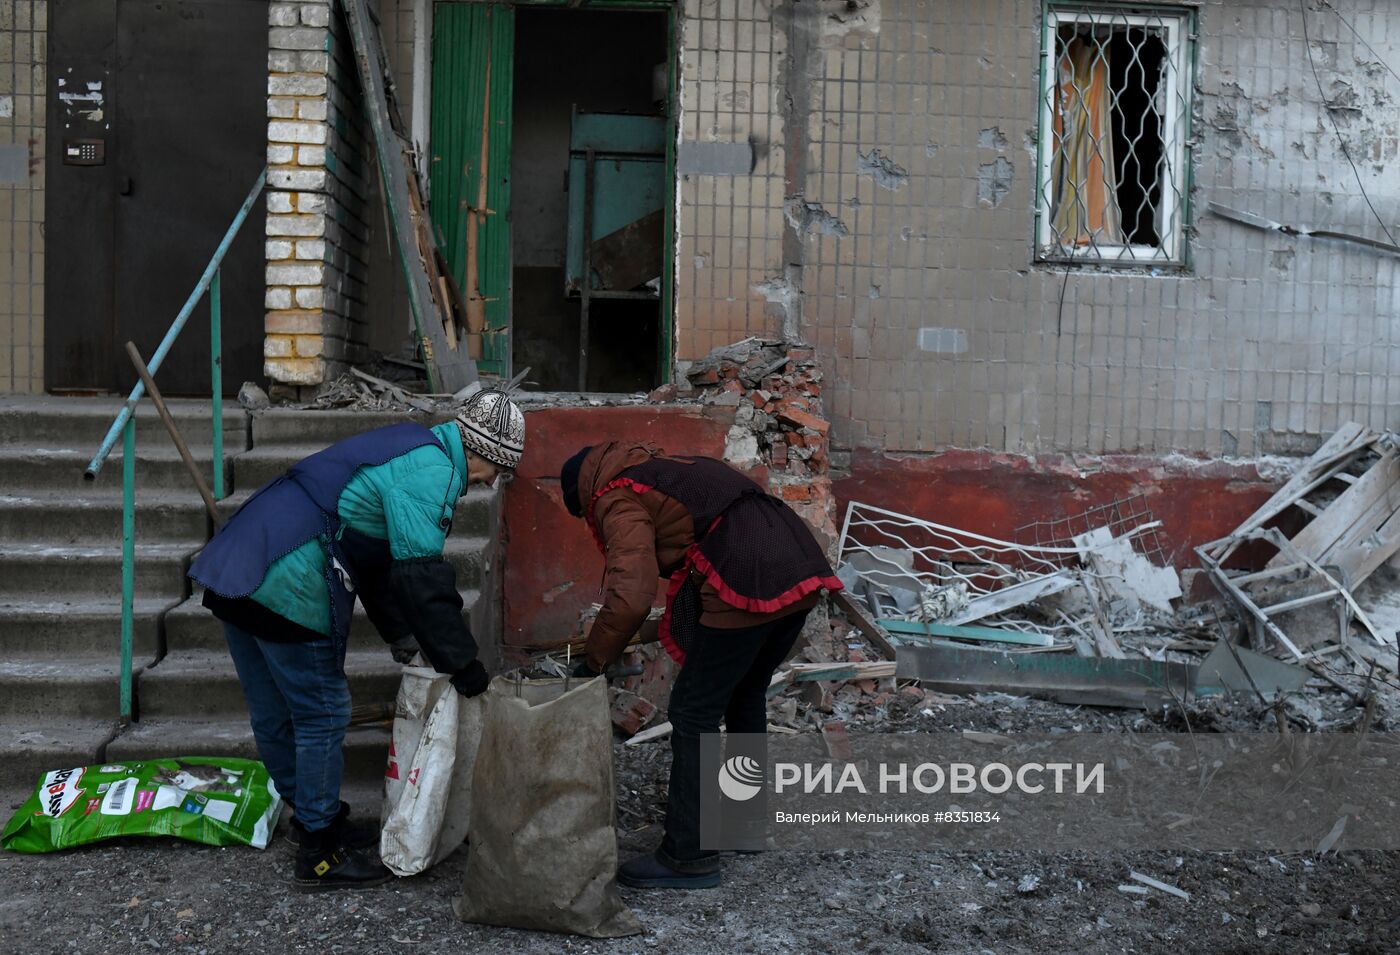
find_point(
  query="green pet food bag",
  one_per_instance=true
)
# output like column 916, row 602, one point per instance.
column 220, row 802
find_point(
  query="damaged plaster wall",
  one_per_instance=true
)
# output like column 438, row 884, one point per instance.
column 891, row 214
column 1264, row 344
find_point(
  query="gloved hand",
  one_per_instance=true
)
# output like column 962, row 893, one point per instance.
column 404, row 649
column 471, row 680
column 583, row 671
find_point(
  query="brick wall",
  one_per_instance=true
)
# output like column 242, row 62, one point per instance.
column 23, row 53
column 317, row 232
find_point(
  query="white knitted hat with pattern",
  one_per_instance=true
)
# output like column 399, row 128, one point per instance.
column 493, row 426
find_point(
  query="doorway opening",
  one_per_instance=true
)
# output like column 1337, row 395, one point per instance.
column 588, row 165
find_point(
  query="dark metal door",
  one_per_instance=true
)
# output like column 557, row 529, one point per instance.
column 185, row 130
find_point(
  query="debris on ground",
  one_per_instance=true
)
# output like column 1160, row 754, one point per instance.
column 1346, row 498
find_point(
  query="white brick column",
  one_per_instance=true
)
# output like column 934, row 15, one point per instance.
column 316, row 228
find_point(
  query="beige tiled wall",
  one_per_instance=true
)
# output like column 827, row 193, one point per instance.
column 22, row 62
column 1266, row 342
column 729, row 228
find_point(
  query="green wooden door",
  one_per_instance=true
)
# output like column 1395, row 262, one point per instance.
column 473, row 75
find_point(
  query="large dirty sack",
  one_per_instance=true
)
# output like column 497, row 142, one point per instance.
column 217, row 801
column 542, row 852
column 428, row 782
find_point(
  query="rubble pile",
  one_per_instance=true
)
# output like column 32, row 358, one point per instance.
column 779, row 431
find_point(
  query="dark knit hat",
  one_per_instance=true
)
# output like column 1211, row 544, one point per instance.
column 568, row 481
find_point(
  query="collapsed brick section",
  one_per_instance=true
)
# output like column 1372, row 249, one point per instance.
column 780, row 432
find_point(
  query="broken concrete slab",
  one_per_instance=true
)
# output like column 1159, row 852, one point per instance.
column 1244, row 671
column 1142, row 684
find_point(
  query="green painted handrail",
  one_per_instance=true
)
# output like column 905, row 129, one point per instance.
column 124, row 427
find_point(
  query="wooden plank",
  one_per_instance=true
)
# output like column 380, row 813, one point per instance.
column 1335, row 453
column 476, row 304
column 868, row 627
column 874, row 670
column 449, row 369
column 1297, row 603
column 1357, row 533
column 1268, row 573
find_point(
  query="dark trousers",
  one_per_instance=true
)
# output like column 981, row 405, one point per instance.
column 725, row 677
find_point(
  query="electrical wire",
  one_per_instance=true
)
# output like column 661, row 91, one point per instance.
column 1368, row 46
column 1307, row 45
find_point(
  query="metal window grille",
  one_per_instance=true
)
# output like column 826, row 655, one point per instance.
column 1114, row 121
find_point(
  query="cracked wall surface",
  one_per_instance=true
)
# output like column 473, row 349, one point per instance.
column 897, row 230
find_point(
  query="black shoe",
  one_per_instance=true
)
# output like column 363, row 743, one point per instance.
column 356, row 835
column 649, row 872
column 325, row 862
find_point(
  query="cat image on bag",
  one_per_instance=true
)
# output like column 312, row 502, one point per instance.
column 200, row 778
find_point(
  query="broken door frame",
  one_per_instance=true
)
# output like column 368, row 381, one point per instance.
column 423, row 124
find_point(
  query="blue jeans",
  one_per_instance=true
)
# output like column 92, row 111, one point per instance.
column 299, row 703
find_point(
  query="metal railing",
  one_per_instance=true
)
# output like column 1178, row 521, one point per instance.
column 124, row 426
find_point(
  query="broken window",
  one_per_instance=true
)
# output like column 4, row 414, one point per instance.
column 1113, row 128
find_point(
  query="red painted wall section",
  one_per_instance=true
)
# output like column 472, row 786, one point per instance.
column 994, row 494
column 552, row 569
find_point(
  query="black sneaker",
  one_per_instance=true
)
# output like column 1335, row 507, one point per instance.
column 356, row 835
column 325, row 862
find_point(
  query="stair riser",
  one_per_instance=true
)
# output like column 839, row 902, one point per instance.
column 49, row 637
column 187, row 631
column 366, row 752
column 325, row 428
column 85, row 431
column 28, row 579
column 219, row 695
column 100, row 523
column 152, row 474
column 69, row 699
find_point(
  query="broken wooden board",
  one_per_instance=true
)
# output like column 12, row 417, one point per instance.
column 1091, row 681
column 449, row 367
column 1326, row 463
column 1360, row 530
column 868, row 627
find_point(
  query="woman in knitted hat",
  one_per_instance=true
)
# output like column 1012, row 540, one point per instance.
column 366, row 517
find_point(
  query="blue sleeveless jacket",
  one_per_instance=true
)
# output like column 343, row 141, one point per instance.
column 302, row 506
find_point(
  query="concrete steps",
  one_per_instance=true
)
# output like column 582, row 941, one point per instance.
column 202, row 684
column 80, row 424
column 366, row 747
column 158, row 468
column 29, row 751
column 60, row 585
column 190, row 627
column 72, row 687
column 79, row 570
column 58, row 517
column 39, row 629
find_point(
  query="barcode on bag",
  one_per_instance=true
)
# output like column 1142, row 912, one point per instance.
column 119, row 798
